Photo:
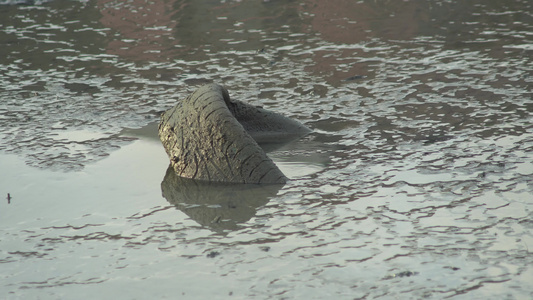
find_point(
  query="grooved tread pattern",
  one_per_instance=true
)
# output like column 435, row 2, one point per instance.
column 205, row 141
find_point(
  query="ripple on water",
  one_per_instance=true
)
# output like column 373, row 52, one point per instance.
column 415, row 183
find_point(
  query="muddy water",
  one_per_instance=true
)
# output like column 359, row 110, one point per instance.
column 417, row 181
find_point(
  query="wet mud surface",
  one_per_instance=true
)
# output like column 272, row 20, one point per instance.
column 417, row 181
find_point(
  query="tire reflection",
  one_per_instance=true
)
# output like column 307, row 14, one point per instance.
column 218, row 206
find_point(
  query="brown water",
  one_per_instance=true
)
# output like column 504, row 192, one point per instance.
column 417, row 181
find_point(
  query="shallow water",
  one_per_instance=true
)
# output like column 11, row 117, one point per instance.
column 417, row 181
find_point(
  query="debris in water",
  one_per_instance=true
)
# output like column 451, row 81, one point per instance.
column 213, row 254
column 401, row 274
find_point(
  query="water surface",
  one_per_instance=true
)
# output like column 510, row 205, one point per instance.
column 417, row 181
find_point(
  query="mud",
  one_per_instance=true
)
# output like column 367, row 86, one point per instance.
column 415, row 183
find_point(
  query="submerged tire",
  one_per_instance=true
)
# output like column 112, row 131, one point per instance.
column 206, row 139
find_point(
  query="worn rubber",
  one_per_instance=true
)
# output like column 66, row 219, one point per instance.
column 208, row 137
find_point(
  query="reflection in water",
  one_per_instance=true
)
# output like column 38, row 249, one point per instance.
column 219, row 206
column 349, row 22
column 145, row 28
